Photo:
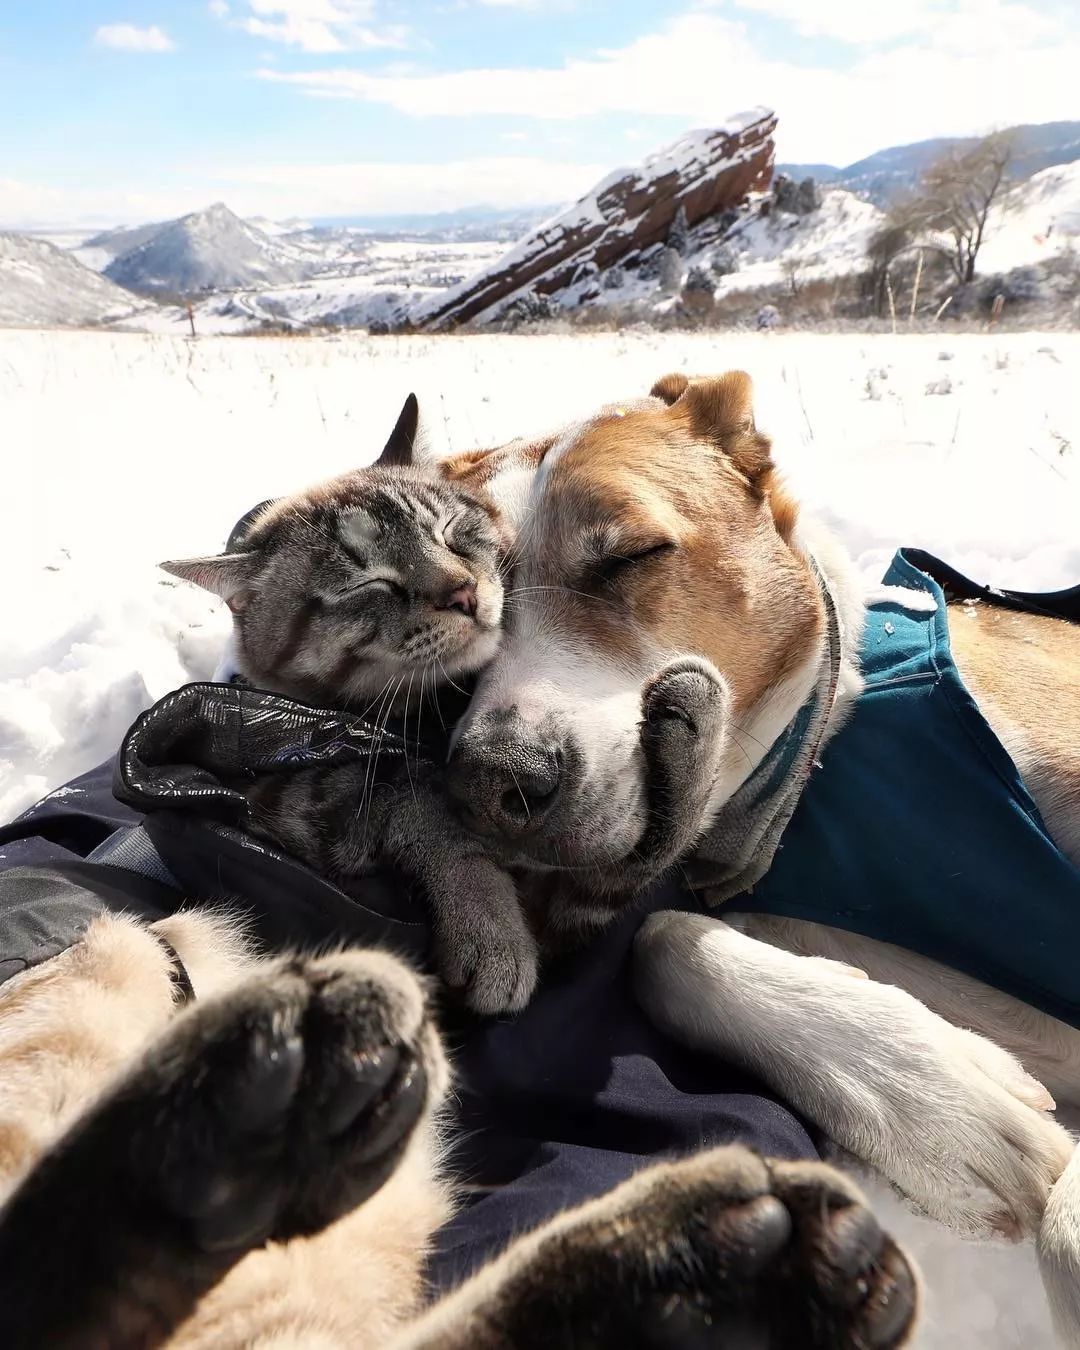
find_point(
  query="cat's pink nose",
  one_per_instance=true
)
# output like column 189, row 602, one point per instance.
column 462, row 598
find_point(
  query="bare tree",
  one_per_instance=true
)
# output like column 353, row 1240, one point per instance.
column 889, row 243
column 791, row 269
column 954, row 199
column 945, row 216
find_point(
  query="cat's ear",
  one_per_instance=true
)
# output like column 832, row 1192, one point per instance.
column 229, row 575
column 400, row 450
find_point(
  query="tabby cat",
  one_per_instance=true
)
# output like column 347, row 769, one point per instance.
column 377, row 592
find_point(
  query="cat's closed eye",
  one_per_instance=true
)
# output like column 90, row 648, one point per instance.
column 357, row 586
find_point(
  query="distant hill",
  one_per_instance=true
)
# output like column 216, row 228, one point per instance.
column 124, row 237
column 880, row 176
column 41, row 284
column 208, row 250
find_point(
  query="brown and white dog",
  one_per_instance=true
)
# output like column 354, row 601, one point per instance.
column 656, row 537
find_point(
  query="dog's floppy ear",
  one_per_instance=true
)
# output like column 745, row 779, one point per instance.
column 720, row 409
column 229, row 575
column 670, row 387
column 398, row 451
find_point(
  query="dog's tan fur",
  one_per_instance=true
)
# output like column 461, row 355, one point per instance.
column 70, row 1027
column 1024, row 670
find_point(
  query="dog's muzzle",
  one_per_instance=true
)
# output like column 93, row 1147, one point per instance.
column 507, row 779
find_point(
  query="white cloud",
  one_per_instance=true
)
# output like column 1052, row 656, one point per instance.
column 281, row 191
column 527, row 4
column 219, row 8
column 127, row 37
column 321, row 26
column 960, row 76
column 859, row 22
column 341, row 189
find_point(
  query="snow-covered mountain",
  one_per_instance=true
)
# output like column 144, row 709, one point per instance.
column 881, row 175
column 112, row 243
column 42, row 285
column 707, row 198
column 208, row 250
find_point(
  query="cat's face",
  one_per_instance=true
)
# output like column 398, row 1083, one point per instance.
column 383, row 579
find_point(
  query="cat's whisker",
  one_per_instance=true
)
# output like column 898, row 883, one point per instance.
column 377, row 697
column 435, row 689
column 377, row 734
column 524, row 799
column 522, row 593
column 405, row 738
column 380, row 728
column 524, row 538
column 448, row 680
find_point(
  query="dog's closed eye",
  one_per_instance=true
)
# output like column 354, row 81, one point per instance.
column 611, row 567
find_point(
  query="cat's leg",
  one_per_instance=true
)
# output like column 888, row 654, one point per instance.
column 949, row 1118
column 484, row 948
column 265, row 1113
column 338, row 822
column 716, row 1251
column 71, row 1024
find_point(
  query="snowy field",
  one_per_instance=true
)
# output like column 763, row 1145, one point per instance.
column 120, row 450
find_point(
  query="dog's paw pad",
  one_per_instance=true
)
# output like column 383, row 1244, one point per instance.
column 857, row 1277
column 751, row 1234
column 689, row 693
column 286, row 1101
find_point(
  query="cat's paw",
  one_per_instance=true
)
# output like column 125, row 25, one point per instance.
column 281, row 1105
column 485, row 951
column 719, row 1249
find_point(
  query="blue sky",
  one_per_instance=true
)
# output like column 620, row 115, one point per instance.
column 133, row 109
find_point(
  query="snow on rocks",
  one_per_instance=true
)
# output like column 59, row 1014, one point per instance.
column 704, row 173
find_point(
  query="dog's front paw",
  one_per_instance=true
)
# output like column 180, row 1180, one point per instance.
column 973, row 1145
column 485, row 951
column 278, row 1107
column 718, row 1250
column 689, row 700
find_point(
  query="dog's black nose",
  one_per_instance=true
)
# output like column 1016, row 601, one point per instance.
column 505, row 777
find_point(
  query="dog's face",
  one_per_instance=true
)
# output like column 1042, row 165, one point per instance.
column 648, row 534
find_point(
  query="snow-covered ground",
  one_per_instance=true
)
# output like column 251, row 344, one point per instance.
column 1036, row 220
column 124, row 449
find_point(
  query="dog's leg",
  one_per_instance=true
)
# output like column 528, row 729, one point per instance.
column 1047, row 1048
column 68, row 1026
column 266, row 1113
column 717, row 1250
column 949, row 1118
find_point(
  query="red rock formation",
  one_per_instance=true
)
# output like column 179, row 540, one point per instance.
column 706, row 172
